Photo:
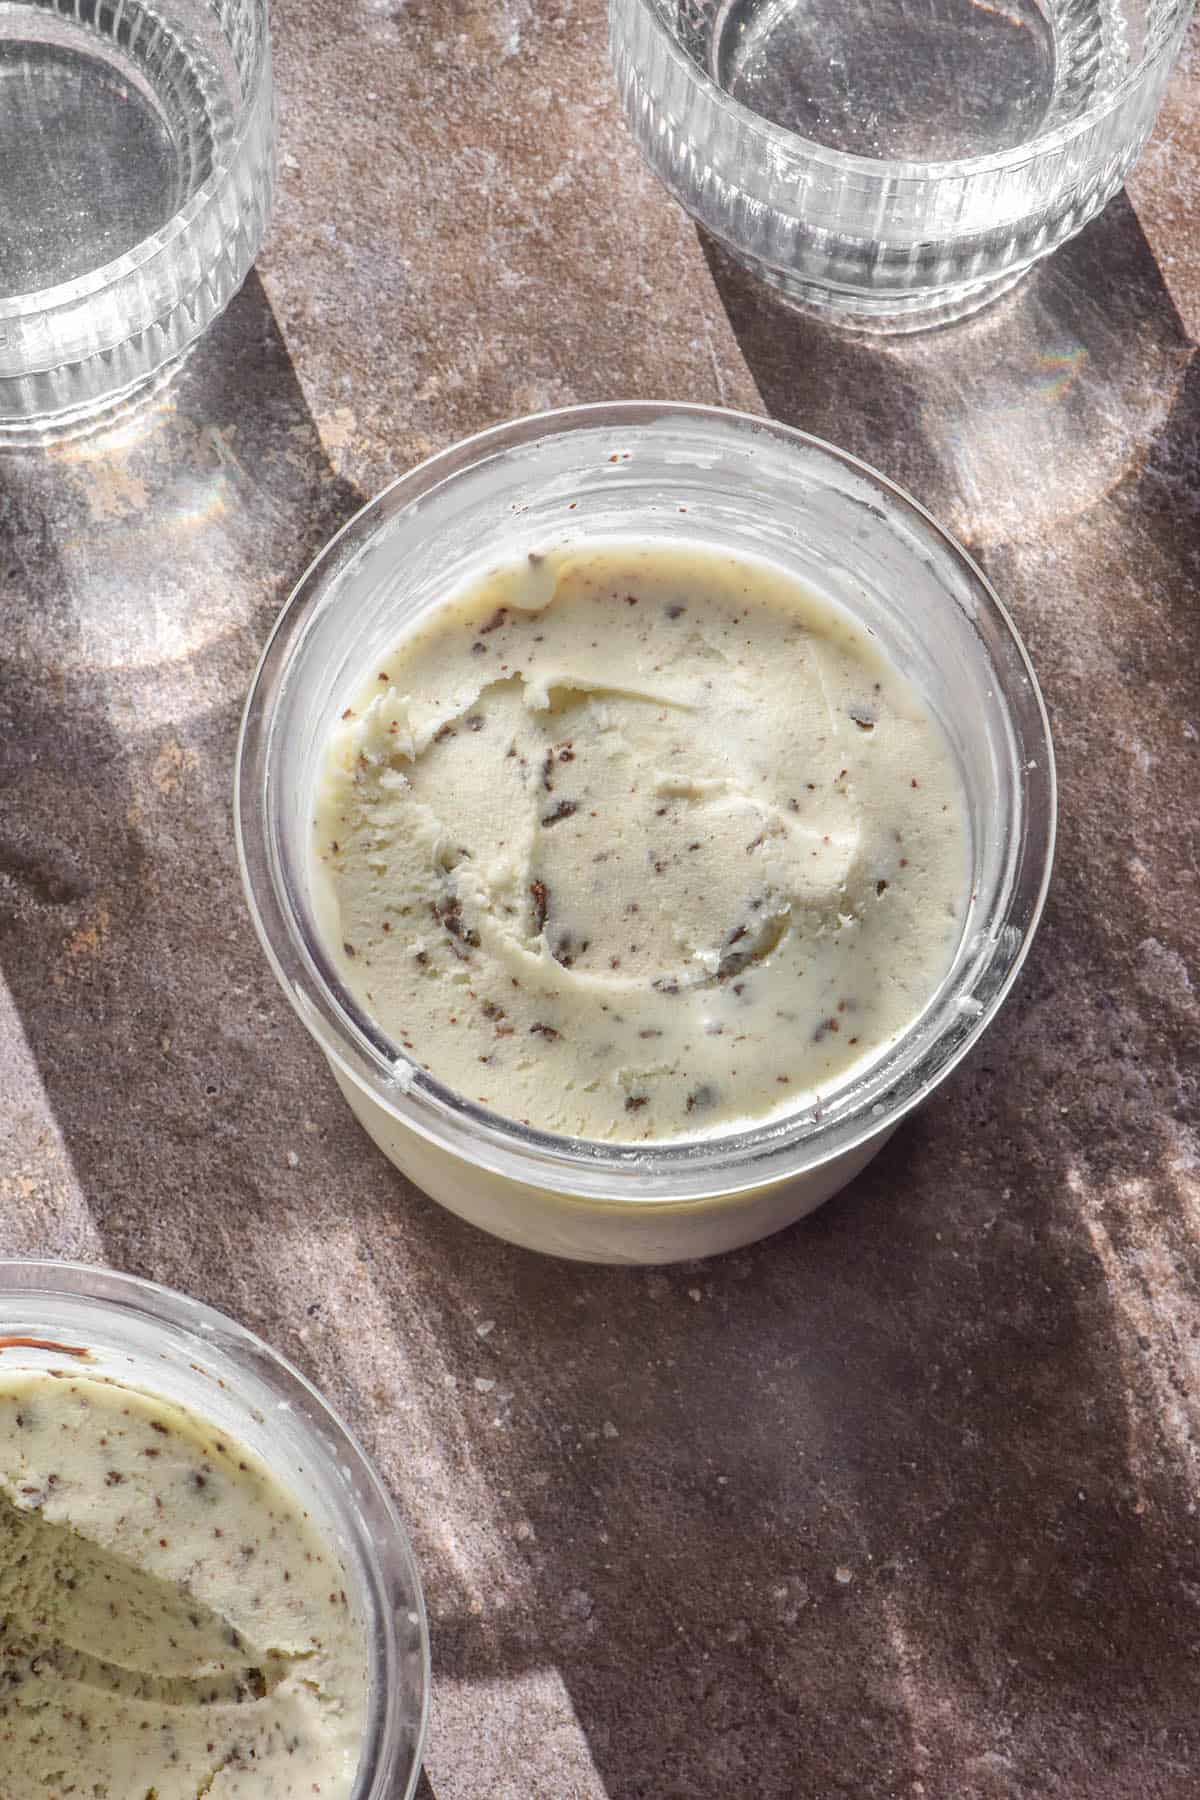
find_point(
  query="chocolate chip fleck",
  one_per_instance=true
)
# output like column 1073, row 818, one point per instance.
column 563, row 810
column 449, row 914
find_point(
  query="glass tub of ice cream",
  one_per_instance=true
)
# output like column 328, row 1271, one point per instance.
column 645, row 807
column 205, row 1586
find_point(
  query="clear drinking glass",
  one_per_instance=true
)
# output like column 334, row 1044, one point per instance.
column 136, row 171
column 675, row 473
column 886, row 165
column 164, row 1343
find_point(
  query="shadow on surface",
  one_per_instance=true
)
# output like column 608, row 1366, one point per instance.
column 143, row 567
column 836, row 1513
column 1006, row 424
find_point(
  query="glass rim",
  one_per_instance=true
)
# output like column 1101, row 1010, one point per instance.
column 883, row 169
column 34, row 301
column 119, row 1292
column 698, row 1170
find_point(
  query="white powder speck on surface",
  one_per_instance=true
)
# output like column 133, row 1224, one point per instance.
column 577, row 1604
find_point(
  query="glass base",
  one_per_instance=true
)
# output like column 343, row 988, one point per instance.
column 881, row 314
column 27, row 427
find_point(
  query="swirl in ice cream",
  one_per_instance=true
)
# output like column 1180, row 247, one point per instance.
column 633, row 840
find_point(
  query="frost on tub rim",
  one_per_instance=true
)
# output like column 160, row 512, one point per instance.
column 620, row 813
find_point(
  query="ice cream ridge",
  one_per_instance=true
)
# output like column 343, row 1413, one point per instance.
column 633, row 839
column 172, row 1624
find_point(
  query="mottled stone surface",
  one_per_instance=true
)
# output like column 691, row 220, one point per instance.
column 903, row 1502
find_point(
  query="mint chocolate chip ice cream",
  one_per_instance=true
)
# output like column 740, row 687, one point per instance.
column 638, row 841
column 171, row 1622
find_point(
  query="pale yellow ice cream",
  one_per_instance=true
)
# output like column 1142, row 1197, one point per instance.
column 171, row 1623
column 636, row 841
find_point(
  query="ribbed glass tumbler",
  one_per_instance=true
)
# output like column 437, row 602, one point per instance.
column 890, row 166
column 136, row 171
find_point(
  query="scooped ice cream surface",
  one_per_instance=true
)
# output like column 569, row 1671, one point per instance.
column 635, row 841
column 172, row 1623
